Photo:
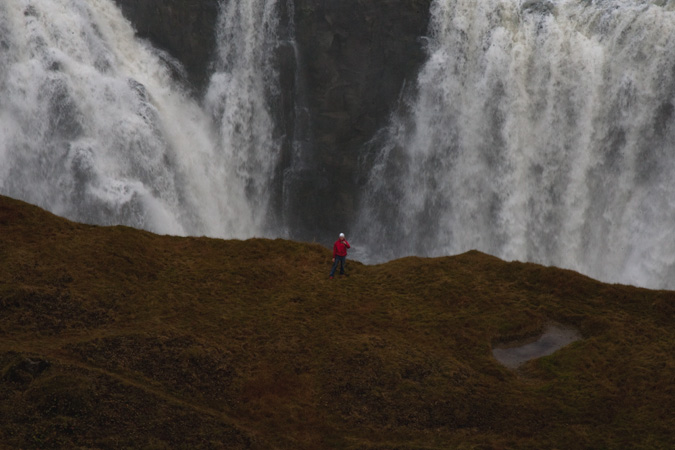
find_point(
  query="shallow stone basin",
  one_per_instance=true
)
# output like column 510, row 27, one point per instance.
column 555, row 337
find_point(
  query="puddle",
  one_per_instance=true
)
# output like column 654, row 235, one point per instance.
column 554, row 338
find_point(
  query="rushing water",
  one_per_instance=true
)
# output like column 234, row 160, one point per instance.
column 540, row 131
column 94, row 128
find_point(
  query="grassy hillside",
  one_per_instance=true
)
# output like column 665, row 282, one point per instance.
column 116, row 338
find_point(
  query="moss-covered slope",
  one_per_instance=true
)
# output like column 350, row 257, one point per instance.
column 117, row 338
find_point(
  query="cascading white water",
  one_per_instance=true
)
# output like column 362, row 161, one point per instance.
column 92, row 126
column 540, row 131
column 237, row 99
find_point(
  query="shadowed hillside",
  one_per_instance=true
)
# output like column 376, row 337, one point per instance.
column 116, row 338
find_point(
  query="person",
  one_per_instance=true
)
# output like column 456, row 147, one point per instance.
column 339, row 254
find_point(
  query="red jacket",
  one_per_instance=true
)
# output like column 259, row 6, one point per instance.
column 340, row 248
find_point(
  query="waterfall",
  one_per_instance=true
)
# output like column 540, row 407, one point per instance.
column 539, row 131
column 93, row 127
column 238, row 100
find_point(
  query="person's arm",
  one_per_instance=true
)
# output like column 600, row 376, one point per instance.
column 346, row 244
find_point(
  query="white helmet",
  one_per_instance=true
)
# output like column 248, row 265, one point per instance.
column 342, row 235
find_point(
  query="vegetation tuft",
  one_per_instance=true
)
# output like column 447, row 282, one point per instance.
column 115, row 338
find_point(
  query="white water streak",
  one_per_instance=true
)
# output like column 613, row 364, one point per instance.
column 237, row 97
column 542, row 131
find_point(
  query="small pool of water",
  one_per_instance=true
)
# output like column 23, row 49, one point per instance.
column 555, row 337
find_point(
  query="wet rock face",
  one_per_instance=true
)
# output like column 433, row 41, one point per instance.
column 354, row 59
column 185, row 29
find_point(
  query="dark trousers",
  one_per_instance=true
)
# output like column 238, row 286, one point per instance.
column 341, row 260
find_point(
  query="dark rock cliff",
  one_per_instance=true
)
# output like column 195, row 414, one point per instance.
column 354, row 58
column 185, row 29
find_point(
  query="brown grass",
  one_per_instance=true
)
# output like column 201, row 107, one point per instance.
column 117, row 338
